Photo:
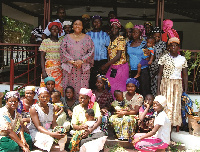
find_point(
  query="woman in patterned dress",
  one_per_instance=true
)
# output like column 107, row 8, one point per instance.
column 77, row 57
column 170, row 83
column 159, row 48
column 50, row 56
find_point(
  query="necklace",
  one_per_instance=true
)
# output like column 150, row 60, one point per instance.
column 77, row 35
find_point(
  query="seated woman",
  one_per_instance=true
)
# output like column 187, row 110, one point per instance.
column 26, row 103
column 104, row 99
column 12, row 136
column 42, row 122
column 124, row 121
column 146, row 117
column 95, row 141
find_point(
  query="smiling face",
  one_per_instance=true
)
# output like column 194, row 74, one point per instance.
column 54, row 30
column 44, row 98
column 84, row 100
column 29, row 94
column 115, row 30
column 78, row 26
column 12, row 103
column 130, row 87
column 136, row 33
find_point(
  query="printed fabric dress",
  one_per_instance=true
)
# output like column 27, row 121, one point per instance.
column 171, row 85
column 6, row 122
column 118, row 72
column 160, row 47
column 125, row 126
column 52, row 63
column 77, row 50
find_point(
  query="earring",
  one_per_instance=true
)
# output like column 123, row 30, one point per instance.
column 140, row 37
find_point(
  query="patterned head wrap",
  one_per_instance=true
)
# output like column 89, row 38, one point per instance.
column 129, row 25
column 67, row 23
column 148, row 23
column 156, row 30
column 89, row 93
column 14, row 94
column 96, row 17
column 134, row 81
column 162, row 100
column 107, row 83
column 49, row 79
column 86, row 16
column 173, row 39
column 141, row 28
column 42, row 90
column 58, row 24
column 115, row 22
column 167, row 28
column 32, row 88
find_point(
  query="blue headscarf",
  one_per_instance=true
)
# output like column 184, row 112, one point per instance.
column 49, row 79
column 134, row 81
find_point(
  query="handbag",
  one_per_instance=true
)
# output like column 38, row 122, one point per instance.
column 113, row 73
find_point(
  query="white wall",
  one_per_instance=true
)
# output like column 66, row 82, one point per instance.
column 18, row 15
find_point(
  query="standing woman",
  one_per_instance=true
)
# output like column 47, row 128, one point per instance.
column 101, row 41
column 170, row 82
column 118, row 71
column 50, row 56
column 159, row 48
column 77, row 57
column 135, row 52
column 12, row 136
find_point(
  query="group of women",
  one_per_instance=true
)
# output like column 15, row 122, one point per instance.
column 75, row 60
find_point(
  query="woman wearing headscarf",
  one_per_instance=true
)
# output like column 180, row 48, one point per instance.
column 50, row 56
column 135, row 53
column 87, row 101
column 12, row 136
column 129, row 27
column 172, row 68
column 160, row 49
column 118, row 71
column 101, row 41
column 148, row 29
column 124, row 121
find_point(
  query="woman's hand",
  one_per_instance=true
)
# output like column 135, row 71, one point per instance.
column 147, row 52
column 135, row 141
column 57, row 135
column 120, row 113
column 146, row 104
column 104, row 111
column 44, row 74
column 86, row 133
column 78, row 63
column 25, row 149
column 83, row 127
column 103, row 69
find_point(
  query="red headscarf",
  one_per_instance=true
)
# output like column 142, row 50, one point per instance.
column 58, row 24
column 115, row 22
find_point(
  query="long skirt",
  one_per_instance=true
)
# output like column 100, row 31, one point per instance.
column 53, row 69
column 62, row 121
column 149, row 144
column 119, row 82
column 7, row 144
column 124, row 127
column 172, row 90
column 77, row 79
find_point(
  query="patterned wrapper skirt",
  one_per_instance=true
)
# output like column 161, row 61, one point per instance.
column 172, row 90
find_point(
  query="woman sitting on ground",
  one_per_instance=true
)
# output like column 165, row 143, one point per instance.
column 12, row 136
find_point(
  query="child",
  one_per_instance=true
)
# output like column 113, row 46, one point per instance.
column 146, row 112
column 59, row 110
column 119, row 103
column 159, row 137
column 147, row 59
column 89, row 114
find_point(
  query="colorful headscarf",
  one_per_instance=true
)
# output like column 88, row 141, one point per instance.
column 168, row 30
column 58, row 24
column 156, row 30
column 14, row 94
column 173, row 39
column 32, row 88
column 129, row 25
column 148, row 23
column 141, row 28
column 134, row 81
column 86, row 16
column 162, row 100
column 107, row 83
column 48, row 79
column 89, row 93
column 67, row 23
column 96, row 17
column 115, row 22
column 42, row 90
